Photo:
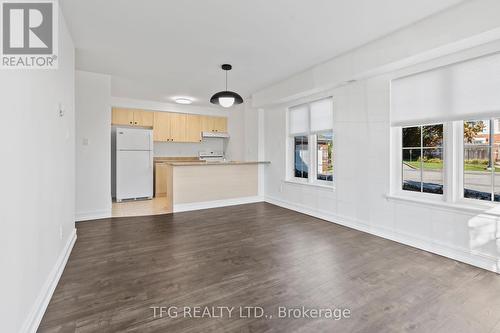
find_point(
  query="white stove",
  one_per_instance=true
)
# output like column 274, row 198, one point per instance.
column 211, row 156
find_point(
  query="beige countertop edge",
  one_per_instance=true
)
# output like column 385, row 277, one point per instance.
column 213, row 163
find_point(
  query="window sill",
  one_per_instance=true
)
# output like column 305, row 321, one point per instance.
column 321, row 186
column 482, row 208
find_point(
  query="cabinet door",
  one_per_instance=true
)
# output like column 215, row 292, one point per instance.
column 207, row 124
column 143, row 118
column 178, row 127
column 220, row 124
column 161, row 128
column 122, row 117
column 160, row 180
column 193, row 128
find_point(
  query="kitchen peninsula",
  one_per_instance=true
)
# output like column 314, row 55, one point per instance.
column 197, row 185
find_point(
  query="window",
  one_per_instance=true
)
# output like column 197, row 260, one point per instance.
column 481, row 165
column 462, row 95
column 324, row 153
column 311, row 136
column 422, row 162
column 301, row 156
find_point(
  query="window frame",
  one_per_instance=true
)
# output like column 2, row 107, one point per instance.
column 292, row 139
column 397, row 177
column 422, row 149
column 315, row 158
column 453, row 168
column 460, row 165
column 312, row 145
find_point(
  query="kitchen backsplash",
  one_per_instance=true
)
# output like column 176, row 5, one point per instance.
column 187, row 149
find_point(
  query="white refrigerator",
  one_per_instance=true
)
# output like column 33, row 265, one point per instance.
column 133, row 163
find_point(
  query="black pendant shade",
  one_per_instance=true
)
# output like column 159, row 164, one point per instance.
column 216, row 98
column 237, row 98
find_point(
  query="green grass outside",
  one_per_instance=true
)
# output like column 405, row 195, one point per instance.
column 439, row 166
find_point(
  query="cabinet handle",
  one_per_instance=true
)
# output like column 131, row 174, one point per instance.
column 131, row 122
column 136, row 122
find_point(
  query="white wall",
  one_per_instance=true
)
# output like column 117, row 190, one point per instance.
column 37, row 194
column 235, row 149
column 363, row 148
column 170, row 107
column 93, row 145
column 244, row 130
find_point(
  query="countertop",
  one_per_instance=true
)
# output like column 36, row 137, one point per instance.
column 203, row 163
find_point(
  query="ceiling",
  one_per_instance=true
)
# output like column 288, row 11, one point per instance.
column 159, row 49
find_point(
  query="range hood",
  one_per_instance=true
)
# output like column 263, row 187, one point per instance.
column 214, row 135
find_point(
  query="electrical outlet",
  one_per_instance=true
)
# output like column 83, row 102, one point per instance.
column 85, row 141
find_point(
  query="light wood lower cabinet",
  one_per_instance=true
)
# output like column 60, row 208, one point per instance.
column 161, row 173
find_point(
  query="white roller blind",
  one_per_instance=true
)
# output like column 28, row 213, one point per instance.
column 465, row 90
column 321, row 115
column 299, row 119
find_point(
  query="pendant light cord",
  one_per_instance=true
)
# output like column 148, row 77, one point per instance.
column 226, row 80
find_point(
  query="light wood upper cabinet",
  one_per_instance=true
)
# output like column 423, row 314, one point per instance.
column 173, row 127
column 193, row 128
column 122, row 117
column 220, row 124
column 161, row 127
column 178, row 127
column 131, row 117
column 143, row 118
column 207, row 124
column 170, row 126
column 213, row 124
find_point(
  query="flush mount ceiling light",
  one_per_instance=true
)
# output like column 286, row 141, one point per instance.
column 226, row 98
column 183, row 100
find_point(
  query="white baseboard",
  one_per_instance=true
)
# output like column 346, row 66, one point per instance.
column 217, row 203
column 37, row 311
column 93, row 215
column 467, row 256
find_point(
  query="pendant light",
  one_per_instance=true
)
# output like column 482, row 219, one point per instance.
column 226, row 98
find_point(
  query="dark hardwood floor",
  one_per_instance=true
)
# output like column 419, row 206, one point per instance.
column 265, row 256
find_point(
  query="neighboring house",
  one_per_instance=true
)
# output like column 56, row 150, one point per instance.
column 481, row 151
